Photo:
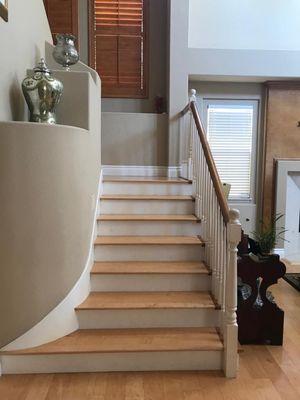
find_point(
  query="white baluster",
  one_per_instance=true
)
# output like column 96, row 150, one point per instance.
column 198, row 176
column 210, row 237
column 215, row 243
column 205, row 206
column 200, row 182
column 182, row 154
column 193, row 164
column 190, row 148
column 217, row 252
column 231, row 328
column 225, row 261
column 220, row 256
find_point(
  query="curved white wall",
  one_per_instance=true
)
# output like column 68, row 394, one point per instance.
column 49, row 179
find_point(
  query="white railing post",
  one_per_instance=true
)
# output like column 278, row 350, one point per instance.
column 231, row 327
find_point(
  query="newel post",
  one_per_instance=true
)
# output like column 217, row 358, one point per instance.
column 193, row 93
column 230, row 322
column 192, row 97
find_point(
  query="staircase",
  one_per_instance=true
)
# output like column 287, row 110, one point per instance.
column 159, row 299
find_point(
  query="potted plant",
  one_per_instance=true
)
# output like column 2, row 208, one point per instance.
column 267, row 237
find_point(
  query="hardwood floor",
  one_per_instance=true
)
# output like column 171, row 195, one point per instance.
column 266, row 373
column 291, row 267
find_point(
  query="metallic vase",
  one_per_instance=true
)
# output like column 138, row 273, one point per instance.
column 42, row 93
column 65, row 52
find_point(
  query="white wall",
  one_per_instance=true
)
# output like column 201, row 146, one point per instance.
column 49, row 177
column 292, row 245
column 284, row 184
column 48, row 188
column 22, row 44
column 246, row 24
column 134, row 139
column 256, row 61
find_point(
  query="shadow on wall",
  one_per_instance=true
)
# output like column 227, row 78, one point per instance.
column 16, row 100
column 18, row 106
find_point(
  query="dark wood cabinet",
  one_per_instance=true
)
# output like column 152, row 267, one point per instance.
column 260, row 320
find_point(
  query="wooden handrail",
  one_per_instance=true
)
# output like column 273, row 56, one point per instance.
column 210, row 161
column 186, row 109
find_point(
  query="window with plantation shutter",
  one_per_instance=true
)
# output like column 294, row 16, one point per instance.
column 62, row 16
column 118, row 46
column 231, row 131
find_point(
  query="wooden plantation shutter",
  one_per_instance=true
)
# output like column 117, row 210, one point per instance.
column 119, row 46
column 62, row 16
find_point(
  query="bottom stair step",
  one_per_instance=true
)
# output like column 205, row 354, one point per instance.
column 121, row 350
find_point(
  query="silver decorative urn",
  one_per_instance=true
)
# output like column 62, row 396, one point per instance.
column 65, row 52
column 42, row 93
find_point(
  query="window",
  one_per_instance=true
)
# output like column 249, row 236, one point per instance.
column 62, row 16
column 232, row 130
column 118, row 46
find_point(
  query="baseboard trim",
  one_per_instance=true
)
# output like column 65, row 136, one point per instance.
column 63, row 319
column 141, row 170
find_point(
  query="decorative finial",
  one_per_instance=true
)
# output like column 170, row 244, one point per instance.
column 193, row 94
column 42, row 67
column 234, row 215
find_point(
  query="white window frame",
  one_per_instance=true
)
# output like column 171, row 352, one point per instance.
column 255, row 103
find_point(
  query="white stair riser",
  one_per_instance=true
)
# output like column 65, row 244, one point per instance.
column 106, row 362
column 145, row 318
column 144, row 228
column 140, row 188
column 148, row 253
column 150, row 282
column 147, row 207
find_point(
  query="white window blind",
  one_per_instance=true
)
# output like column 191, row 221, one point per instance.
column 231, row 130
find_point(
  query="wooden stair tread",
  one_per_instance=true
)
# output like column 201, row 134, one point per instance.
column 147, row 217
column 142, row 179
column 145, row 197
column 147, row 300
column 129, row 340
column 140, row 267
column 148, row 240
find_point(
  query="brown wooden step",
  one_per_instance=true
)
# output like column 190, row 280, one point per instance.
column 141, row 179
column 140, row 267
column 147, row 217
column 129, row 340
column 149, row 240
column 147, row 300
column 146, row 197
